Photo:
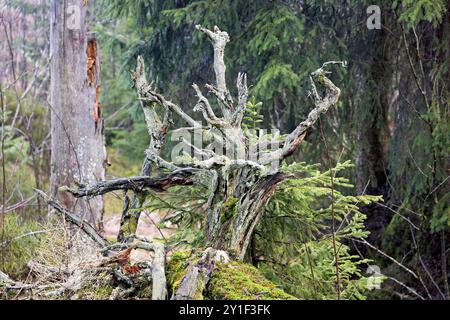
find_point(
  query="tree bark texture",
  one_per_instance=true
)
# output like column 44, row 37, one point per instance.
column 78, row 153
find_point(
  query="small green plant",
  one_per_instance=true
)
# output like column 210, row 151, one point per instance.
column 253, row 116
column 295, row 240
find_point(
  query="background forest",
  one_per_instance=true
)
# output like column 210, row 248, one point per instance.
column 373, row 173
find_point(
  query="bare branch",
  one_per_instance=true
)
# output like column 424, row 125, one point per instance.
column 211, row 163
column 146, row 93
column 183, row 129
column 160, row 162
column 240, row 163
column 226, row 101
column 219, row 40
column 200, row 152
column 322, row 105
column 241, row 84
column 184, row 176
column 150, row 96
column 204, row 106
column 72, row 218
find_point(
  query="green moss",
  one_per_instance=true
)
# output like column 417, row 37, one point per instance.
column 230, row 203
column 145, row 292
column 239, row 281
column 176, row 269
column 231, row 281
column 228, row 208
column 199, row 294
column 129, row 227
column 111, row 239
column 103, row 293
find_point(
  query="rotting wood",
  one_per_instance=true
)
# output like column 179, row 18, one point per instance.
column 198, row 275
column 91, row 62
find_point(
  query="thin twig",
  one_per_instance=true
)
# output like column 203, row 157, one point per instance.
column 4, row 190
column 363, row 241
column 333, row 215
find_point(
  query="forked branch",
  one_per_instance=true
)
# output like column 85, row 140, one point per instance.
column 322, row 105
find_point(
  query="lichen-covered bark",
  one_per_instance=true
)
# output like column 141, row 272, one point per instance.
column 232, row 220
column 245, row 183
column 157, row 130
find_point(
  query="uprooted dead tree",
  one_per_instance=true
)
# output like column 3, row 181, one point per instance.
column 241, row 182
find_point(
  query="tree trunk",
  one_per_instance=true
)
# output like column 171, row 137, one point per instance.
column 373, row 118
column 77, row 144
column 232, row 220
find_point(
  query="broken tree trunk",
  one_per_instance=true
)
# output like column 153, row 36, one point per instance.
column 78, row 152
